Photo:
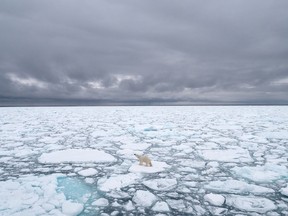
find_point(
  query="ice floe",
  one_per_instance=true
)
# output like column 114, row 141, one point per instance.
column 266, row 173
column 72, row 208
column 144, row 198
column 117, row 182
column 235, row 186
column 101, row 202
column 284, row 191
column 161, row 184
column 129, row 206
column 88, row 172
column 215, row 199
column 227, row 155
column 249, row 203
column 161, row 206
column 76, row 156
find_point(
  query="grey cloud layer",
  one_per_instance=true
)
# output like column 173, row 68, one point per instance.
column 145, row 51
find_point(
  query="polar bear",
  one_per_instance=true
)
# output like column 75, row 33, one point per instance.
column 145, row 159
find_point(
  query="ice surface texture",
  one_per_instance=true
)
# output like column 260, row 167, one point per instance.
column 206, row 161
column 76, row 156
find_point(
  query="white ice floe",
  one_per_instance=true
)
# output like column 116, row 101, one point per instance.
column 129, row 206
column 214, row 199
column 249, row 203
column 101, row 202
column 76, row 156
column 24, row 152
column 235, row 186
column 217, row 211
column 161, row 206
column 178, row 204
column 266, row 173
column 156, row 167
column 117, row 194
column 117, row 182
column 89, row 180
column 161, row 184
column 88, row 172
column 227, row 155
column 144, row 198
column 190, row 183
column 213, row 164
column 71, row 208
column 284, row 191
column 191, row 163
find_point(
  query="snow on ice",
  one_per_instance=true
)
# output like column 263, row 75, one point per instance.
column 88, row 172
column 76, row 156
column 284, row 191
column 144, row 198
column 161, row 184
column 101, row 202
column 161, row 207
column 266, row 173
column 237, row 187
column 254, row 204
column 71, row 208
column 117, row 182
column 206, row 161
column 214, row 199
column 227, row 155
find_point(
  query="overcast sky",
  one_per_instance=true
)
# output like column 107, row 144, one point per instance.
column 144, row 51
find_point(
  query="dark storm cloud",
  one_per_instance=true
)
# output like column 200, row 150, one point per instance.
column 133, row 52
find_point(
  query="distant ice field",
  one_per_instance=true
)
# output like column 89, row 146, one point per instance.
column 210, row 160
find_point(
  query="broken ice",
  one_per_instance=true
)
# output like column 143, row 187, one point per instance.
column 206, row 161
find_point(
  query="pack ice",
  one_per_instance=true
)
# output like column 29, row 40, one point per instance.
column 205, row 161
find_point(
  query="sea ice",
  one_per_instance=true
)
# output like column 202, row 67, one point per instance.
column 249, row 203
column 72, row 208
column 266, row 173
column 76, row 156
column 161, row 184
column 219, row 150
column 214, row 199
column 26, row 192
column 88, row 172
column 161, row 206
column 235, row 186
column 144, row 198
column 101, row 202
column 284, row 191
column 176, row 204
column 129, row 206
column 117, row 182
column 227, row 155
column 156, row 167
column 218, row 211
